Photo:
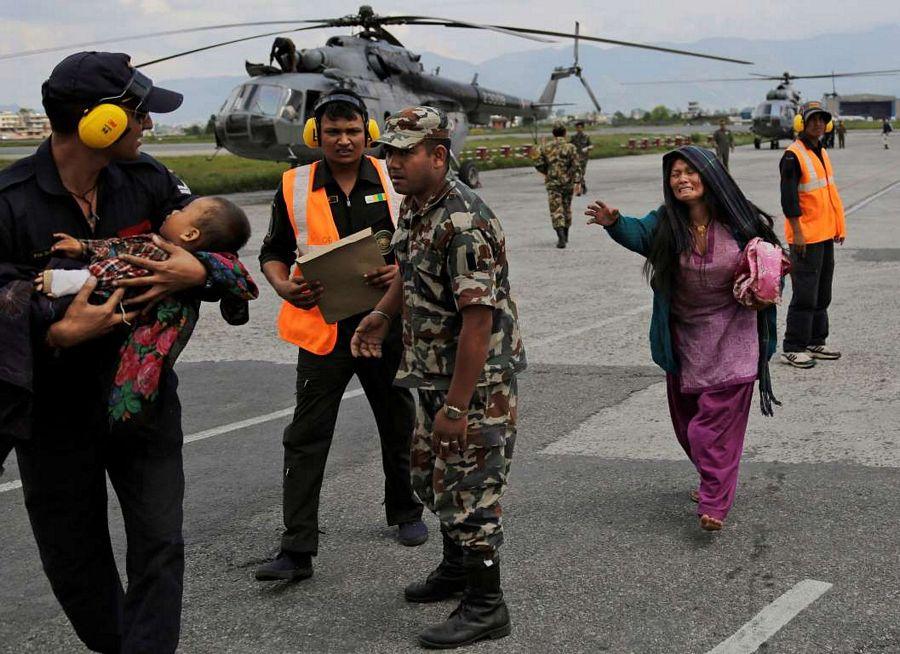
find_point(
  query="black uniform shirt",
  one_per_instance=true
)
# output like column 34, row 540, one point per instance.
column 133, row 197
column 351, row 214
column 790, row 179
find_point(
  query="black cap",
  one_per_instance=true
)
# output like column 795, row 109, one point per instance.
column 91, row 77
column 814, row 107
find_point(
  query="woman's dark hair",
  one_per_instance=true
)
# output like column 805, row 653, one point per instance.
column 223, row 226
column 726, row 204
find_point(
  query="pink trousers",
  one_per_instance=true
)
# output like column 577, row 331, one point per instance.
column 710, row 426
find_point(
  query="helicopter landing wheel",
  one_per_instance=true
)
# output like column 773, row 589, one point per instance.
column 757, row 143
column 468, row 173
column 773, row 145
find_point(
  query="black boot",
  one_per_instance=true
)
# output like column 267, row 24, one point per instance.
column 561, row 233
column 445, row 581
column 481, row 614
column 566, row 232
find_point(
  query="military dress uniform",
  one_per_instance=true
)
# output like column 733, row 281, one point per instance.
column 558, row 161
column 582, row 143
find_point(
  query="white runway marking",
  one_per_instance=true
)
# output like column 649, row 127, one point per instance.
column 217, row 431
column 530, row 345
column 10, row 485
column 767, row 622
column 877, row 194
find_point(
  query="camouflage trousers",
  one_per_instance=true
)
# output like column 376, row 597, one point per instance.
column 582, row 163
column 560, row 206
column 464, row 489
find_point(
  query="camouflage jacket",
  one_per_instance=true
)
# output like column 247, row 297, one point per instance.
column 558, row 160
column 452, row 254
column 582, row 142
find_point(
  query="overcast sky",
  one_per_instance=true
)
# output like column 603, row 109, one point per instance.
column 27, row 24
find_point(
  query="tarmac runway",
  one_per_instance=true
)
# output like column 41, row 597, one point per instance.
column 603, row 552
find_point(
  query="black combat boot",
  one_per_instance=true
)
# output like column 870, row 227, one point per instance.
column 481, row 614
column 445, row 581
column 566, row 232
column 561, row 233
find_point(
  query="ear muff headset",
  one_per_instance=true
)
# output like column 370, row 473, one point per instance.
column 105, row 122
column 799, row 124
column 311, row 128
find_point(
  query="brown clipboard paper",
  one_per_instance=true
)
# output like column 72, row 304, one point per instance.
column 340, row 267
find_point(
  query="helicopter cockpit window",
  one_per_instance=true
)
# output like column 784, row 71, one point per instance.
column 293, row 108
column 267, row 100
column 764, row 110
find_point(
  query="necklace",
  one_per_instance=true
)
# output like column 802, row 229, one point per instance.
column 700, row 229
column 92, row 217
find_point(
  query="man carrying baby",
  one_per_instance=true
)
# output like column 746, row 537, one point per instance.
column 90, row 180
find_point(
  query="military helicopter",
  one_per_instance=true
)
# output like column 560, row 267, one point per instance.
column 264, row 117
column 773, row 119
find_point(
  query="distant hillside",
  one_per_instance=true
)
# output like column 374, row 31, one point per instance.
column 525, row 74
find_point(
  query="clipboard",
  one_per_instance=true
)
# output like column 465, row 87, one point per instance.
column 340, row 267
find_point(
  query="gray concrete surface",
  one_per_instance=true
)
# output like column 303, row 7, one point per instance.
column 603, row 553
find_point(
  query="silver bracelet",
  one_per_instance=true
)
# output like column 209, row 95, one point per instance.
column 379, row 312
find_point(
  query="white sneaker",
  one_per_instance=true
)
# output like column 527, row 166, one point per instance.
column 823, row 352
column 797, row 359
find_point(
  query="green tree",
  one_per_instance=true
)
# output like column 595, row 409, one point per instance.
column 660, row 114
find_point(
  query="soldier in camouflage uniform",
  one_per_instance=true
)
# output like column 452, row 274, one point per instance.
column 462, row 352
column 557, row 160
column 582, row 143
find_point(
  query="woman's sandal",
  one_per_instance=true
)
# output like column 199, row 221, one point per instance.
column 695, row 496
column 708, row 523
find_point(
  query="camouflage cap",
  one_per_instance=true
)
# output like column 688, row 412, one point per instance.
column 558, row 124
column 409, row 127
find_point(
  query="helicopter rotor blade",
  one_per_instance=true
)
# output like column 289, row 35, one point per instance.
column 629, row 44
column 224, row 43
column 453, row 22
column 589, row 92
column 150, row 35
column 764, row 78
column 577, row 30
column 696, row 81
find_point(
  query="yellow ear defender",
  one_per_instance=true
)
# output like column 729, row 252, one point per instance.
column 311, row 127
column 102, row 126
column 311, row 132
column 105, row 123
column 799, row 124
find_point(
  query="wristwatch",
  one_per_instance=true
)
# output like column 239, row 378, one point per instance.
column 453, row 413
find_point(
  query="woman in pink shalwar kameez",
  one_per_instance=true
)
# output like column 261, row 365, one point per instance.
column 712, row 348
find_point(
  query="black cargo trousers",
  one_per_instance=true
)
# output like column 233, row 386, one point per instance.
column 811, row 279
column 64, row 466
column 321, row 382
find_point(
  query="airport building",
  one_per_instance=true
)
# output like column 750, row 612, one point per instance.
column 867, row 105
column 23, row 125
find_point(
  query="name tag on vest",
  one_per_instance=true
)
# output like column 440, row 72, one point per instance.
column 378, row 197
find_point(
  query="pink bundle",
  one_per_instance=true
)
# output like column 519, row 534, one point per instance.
column 757, row 281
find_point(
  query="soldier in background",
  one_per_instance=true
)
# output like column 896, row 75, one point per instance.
column 724, row 141
column 557, row 161
column 462, row 352
column 582, row 143
column 841, row 130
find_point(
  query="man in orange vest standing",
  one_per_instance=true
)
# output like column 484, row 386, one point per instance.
column 814, row 222
column 322, row 202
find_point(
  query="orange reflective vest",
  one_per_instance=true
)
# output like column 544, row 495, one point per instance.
column 309, row 209
column 821, row 209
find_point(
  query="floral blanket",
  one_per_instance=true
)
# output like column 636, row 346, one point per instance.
column 158, row 338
